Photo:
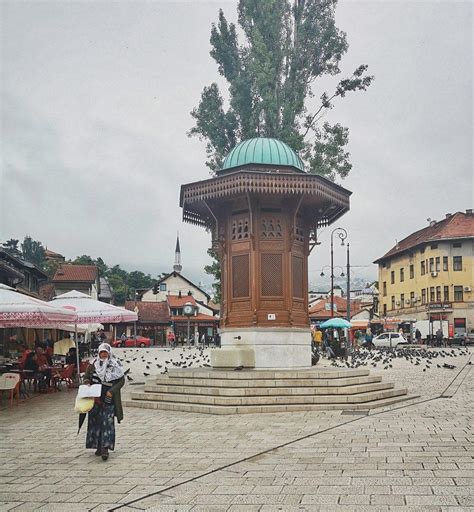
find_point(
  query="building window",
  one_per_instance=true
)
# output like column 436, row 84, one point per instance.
column 385, row 310
column 384, row 265
column 393, row 302
column 384, row 288
column 457, row 245
column 431, row 264
column 437, row 264
column 412, row 271
column 446, row 294
column 402, row 275
column 433, row 246
column 422, row 251
column 445, row 263
column 432, row 294
column 392, row 277
column 402, row 300
column 423, row 296
column 162, row 287
column 423, row 268
column 438, row 294
column 458, row 294
column 412, row 298
column 457, row 262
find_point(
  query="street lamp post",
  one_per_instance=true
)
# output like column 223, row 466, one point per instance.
column 342, row 234
column 348, row 272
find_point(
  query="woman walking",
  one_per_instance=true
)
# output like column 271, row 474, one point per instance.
column 106, row 369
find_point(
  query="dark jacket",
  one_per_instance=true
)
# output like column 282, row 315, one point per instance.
column 114, row 389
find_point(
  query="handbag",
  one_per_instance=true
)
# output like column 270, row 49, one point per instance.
column 83, row 405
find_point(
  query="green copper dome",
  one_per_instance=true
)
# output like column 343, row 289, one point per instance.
column 262, row 151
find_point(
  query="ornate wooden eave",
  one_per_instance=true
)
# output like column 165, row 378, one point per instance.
column 328, row 200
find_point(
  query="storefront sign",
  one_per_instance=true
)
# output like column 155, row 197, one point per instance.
column 440, row 305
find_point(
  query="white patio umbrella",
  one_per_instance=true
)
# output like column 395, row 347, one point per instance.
column 89, row 310
column 19, row 310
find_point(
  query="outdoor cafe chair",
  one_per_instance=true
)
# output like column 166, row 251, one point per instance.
column 10, row 382
column 65, row 375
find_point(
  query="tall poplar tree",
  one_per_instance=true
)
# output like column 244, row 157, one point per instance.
column 271, row 66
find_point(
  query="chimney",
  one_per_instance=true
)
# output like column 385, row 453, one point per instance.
column 432, row 223
column 448, row 215
column 469, row 211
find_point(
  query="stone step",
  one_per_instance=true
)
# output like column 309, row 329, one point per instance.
column 307, row 373
column 268, row 400
column 256, row 409
column 266, row 383
column 165, row 387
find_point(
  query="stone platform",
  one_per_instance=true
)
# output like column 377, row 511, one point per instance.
column 215, row 391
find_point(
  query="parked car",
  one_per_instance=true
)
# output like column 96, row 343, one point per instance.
column 462, row 338
column 134, row 341
column 389, row 339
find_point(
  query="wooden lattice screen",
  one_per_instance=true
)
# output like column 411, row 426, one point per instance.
column 297, row 270
column 272, row 277
column 240, row 276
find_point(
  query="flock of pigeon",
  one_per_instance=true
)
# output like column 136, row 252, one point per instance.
column 423, row 357
column 150, row 364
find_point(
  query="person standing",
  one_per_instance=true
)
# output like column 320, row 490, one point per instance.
column 369, row 344
column 418, row 336
column 105, row 369
column 439, row 338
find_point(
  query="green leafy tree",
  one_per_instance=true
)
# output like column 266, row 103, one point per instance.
column 33, row 251
column 137, row 279
column 286, row 46
column 84, row 260
column 12, row 247
column 271, row 70
column 50, row 267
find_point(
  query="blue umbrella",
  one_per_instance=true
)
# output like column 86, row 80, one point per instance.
column 336, row 323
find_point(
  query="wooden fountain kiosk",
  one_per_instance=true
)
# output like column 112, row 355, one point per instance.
column 263, row 211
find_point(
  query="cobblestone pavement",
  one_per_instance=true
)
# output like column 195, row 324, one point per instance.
column 415, row 457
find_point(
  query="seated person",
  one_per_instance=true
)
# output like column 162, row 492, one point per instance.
column 32, row 366
column 25, row 351
column 43, row 362
column 71, row 357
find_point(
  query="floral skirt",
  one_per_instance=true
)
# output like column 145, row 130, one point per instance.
column 101, row 427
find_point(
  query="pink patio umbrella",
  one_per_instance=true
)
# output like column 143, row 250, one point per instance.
column 89, row 310
column 19, row 310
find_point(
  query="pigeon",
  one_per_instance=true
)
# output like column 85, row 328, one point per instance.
column 129, row 378
column 238, row 368
column 146, row 374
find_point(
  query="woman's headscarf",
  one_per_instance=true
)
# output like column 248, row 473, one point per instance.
column 110, row 369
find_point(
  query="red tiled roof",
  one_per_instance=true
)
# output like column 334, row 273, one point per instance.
column 86, row 273
column 51, row 254
column 150, row 312
column 178, row 302
column 319, row 310
column 458, row 225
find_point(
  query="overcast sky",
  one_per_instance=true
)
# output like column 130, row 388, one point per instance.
column 95, row 103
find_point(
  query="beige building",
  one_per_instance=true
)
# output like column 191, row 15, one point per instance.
column 429, row 275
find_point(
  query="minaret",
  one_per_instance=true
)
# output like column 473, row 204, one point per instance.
column 177, row 256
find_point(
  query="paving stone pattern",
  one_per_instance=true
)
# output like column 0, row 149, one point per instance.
column 416, row 457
